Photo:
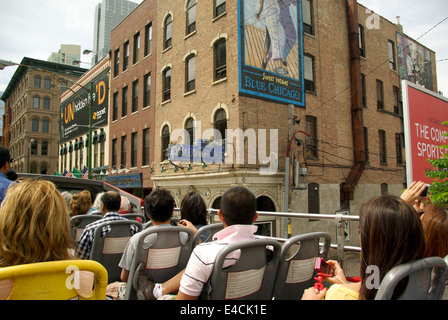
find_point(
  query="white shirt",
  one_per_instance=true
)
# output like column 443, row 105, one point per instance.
column 202, row 260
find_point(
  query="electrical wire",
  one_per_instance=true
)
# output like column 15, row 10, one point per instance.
column 374, row 69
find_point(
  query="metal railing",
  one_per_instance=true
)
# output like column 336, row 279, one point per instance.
column 338, row 219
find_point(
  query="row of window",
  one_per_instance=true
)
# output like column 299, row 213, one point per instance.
column 35, row 125
column 18, row 150
column 219, row 124
column 47, row 83
column 308, row 27
column 75, row 151
column 219, row 70
column 136, row 144
column 314, row 197
column 134, row 97
column 383, row 149
column 190, row 82
column 219, row 9
column 38, row 82
column 34, row 167
column 136, row 50
column 45, row 102
column 310, row 86
column 390, row 46
column 312, row 141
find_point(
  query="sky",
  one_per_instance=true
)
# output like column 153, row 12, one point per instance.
column 36, row 28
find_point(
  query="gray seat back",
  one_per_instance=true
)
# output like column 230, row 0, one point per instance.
column 163, row 252
column 174, row 222
column 296, row 268
column 206, row 233
column 109, row 249
column 134, row 216
column 426, row 280
column 79, row 222
column 251, row 277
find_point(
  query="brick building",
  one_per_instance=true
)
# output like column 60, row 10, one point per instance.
column 30, row 123
column 344, row 143
column 133, row 100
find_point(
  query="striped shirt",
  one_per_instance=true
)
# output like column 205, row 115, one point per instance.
column 202, row 260
column 86, row 241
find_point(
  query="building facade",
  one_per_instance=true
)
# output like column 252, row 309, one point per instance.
column 68, row 54
column 108, row 13
column 91, row 90
column 31, row 121
column 333, row 150
column 133, row 100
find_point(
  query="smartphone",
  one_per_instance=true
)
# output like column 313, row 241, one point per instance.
column 424, row 193
column 322, row 266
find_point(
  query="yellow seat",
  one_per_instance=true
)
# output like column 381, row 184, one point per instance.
column 55, row 280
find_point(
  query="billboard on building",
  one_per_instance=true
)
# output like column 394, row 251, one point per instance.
column 414, row 62
column 423, row 113
column 271, row 50
column 74, row 120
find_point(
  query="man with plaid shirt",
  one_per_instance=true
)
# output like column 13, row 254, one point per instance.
column 109, row 209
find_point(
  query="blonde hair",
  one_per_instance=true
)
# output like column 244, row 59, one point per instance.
column 80, row 203
column 34, row 224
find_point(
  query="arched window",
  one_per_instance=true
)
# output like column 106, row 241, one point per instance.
column 220, row 122
column 191, row 16
column 165, row 142
column 265, row 204
column 43, row 168
column 168, row 32
column 384, row 188
column 36, row 102
column 166, row 76
column 45, row 125
column 33, row 167
column 217, row 203
column 220, row 8
column 35, row 125
column 46, row 105
column 47, row 83
column 190, row 74
column 189, row 127
column 220, row 59
column 36, row 82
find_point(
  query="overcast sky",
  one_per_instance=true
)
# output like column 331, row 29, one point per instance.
column 36, row 28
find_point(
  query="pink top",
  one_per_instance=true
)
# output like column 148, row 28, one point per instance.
column 202, row 260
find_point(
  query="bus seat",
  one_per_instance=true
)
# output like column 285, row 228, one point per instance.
column 296, row 269
column 55, row 280
column 250, row 278
column 206, row 233
column 163, row 252
column 134, row 216
column 109, row 249
column 79, row 222
column 426, row 280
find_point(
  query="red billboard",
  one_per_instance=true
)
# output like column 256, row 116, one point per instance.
column 424, row 112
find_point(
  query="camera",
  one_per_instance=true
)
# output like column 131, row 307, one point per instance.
column 322, row 266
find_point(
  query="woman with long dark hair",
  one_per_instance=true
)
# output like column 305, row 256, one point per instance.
column 391, row 234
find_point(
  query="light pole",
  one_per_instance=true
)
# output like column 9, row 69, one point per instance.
column 29, row 149
column 89, row 154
